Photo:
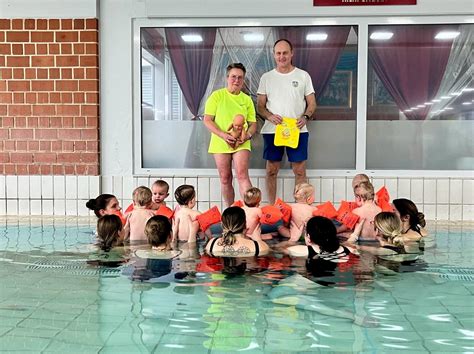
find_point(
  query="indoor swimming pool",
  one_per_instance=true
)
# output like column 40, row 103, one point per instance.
column 58, row 294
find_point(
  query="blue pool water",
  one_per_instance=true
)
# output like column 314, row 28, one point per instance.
column 54, row 298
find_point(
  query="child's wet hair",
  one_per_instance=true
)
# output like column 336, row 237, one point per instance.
column 161, row 183
column 108, row 228
column 99, row 203
column 158, row 230
column 359, row 178
column 252, row 197
column 303, row 191
column 322, row 232
column 184, row 194
column 142, row 195
column 365, row 190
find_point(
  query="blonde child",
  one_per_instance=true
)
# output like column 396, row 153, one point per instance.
column 253, row 213
column 185, row 225
column 160, row 191
column 138, row 217
column 301, row 211
column 110, row 232
column 367, row 211
column 358, row 179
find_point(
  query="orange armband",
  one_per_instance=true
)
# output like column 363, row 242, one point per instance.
column 129, row 209
column 238, row 203
column 270, row 215
column 208, row 218
column 120, row 215
column 165, row 211
column 346, row 216
column 326, row 209
column 285, row 210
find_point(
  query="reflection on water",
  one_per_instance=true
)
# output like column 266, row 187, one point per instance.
column 53, row 298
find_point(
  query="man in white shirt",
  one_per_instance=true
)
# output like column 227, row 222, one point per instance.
column 285, row 91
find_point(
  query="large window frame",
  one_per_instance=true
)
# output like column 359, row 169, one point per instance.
column 362, row 23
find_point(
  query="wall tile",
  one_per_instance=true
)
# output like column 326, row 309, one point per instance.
column 82, row 210
column 35, row 187
column 378, row 183
column 71, row 187
column 455, row 191
column 12, row 206
column 3, row 192
column 203, row 206
column 47, row 187
column 24, row 207
column 71, row 207
column 392, row 186
column 193, row 181
column 3, row 207
column 442, row 212
column 203, row 192
column 316, row 183
column 416, row 191
column 47, row 207
column 468, row 191
column 117, row 186
column 349, row 190
column 59, row 187
column 94, row 186
column 327, row 192
column 442, row 191
column 142, row 181
column 429, row 191
column 288, row 189
column 59, row 206
column 215, row 189
column 468, row 212
column 404, row 188
column 339, row 189
column 430, row 211
column 83, row 187
column 35, row 207
column 107, row 185
column 23, row 187
column 455, row 212
column 127, row 187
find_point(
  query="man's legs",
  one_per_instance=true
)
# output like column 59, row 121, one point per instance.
column 271, row 180
column 241, row 165
column 224, row 166
column 299, row 169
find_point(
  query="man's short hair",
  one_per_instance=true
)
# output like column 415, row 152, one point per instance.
column 235, row 66
column 283, row 40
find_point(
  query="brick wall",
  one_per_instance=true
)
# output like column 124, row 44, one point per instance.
column 49, row 97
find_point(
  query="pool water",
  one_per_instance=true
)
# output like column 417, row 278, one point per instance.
column 54, row 299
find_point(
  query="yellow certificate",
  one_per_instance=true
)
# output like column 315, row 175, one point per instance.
column 287, row 133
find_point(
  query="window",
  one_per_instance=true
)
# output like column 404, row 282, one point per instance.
column 188, row 64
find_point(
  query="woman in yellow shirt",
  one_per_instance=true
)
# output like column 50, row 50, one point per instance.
column 221, row 108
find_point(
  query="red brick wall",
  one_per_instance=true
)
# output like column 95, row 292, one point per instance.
column 49, row 97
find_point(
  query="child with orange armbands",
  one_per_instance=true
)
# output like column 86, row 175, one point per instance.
column 301, row 212
column 185, row 224
column 160, row 191
column 253, row 213
column 138, row 217
column 367, row 210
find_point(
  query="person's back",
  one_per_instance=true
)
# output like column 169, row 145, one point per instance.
column 185, row 225
column 138, row 217
column 253, row 213
column 366, row 211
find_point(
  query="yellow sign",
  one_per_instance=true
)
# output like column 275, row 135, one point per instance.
column 287, row 133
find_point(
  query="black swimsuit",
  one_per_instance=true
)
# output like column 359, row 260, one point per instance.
column 257, row 248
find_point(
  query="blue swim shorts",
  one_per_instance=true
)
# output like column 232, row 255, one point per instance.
column 275, row 153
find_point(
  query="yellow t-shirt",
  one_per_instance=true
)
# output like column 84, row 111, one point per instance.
column 224, row 106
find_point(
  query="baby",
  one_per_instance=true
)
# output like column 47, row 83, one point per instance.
column 367, row 211
column 301, row 211
column 253, row 213
column 236, row 129
column 359, row 178
column 160, row 191
column 138, row 217
column 185, row 225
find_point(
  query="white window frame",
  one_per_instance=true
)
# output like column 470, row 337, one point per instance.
column 361, row 116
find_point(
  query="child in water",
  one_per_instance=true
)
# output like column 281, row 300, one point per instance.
column 301, row 211
column 160, row 191
column 185, row 225
column 138, row 217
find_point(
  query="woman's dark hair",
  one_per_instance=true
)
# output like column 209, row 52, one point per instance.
column 407, row 207
column 235, row 66
column 99, row 203
column 233, row 222
column 322, row 232
column 283, row 40
column 158, row 230
column 184, row 194
column 108, row 227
